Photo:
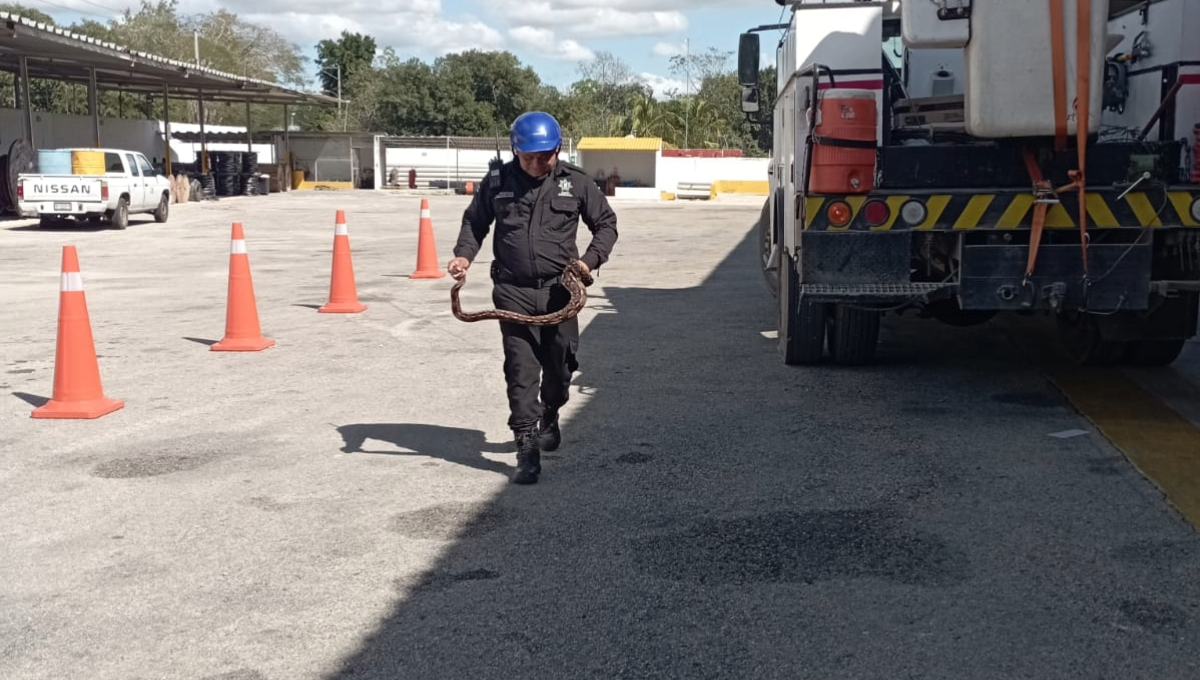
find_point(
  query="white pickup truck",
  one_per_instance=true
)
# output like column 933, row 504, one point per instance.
column 129, row 185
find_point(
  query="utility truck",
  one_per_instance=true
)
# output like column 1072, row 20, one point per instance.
column 129, row 185
column 963, row 158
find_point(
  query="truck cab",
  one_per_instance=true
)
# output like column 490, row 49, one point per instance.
column 129, row 185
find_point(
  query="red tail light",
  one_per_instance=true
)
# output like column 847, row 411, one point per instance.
column 20, row 191
column 104, row 190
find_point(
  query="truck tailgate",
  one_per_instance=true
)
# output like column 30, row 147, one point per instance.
column 64, row 189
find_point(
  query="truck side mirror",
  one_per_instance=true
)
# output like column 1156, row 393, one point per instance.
column 750, row 99
column 748, row 52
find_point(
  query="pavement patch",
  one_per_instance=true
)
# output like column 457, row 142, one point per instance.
column 150, row 466
column 449, row 521
column 1155, row 617
column 803, row 547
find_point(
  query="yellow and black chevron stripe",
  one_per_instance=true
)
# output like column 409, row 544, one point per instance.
column 1014, row 210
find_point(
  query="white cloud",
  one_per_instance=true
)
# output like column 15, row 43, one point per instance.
column 661, row 85
column 590, row 19
column 666, row 49
column 416, row 26
column 542, row 42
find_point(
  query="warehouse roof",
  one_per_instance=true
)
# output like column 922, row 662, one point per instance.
column 58, row 54
column 621, row 144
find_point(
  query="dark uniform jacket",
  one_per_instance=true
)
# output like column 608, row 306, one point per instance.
column 537, row 221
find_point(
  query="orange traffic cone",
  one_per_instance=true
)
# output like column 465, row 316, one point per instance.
column 77, row 389
column 343, row 294
column 427, row 261
column 242, row 333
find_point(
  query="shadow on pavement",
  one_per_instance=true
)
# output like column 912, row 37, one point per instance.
column 716, row 514
column 453, row 445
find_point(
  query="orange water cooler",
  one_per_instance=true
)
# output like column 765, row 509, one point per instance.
column 844, row 142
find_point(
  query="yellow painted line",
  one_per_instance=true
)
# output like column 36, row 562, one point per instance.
column 1016, row 211
column 1144, row 210
column 1183, row 205
column 812, row 207
column 936, row 205
column 1100, row 213
column 1057, row 216
column 1163, row 445
column 973, row 213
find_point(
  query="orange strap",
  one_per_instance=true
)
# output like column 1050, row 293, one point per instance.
column 1058, row 65
column 1041, row 189
column 1083, row 79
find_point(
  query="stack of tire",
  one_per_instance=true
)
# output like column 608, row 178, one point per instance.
column 250, row 174
column 226, row 175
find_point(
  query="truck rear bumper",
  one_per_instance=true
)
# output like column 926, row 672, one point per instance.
column 78, row 208
column 1118, row 277
column 987, row 271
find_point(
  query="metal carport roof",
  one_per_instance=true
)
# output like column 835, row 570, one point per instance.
column 57, row 54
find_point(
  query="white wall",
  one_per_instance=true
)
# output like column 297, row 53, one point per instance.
column 53, row 130
column 56, row 130
column 435, row 165
column 672, row 171
column 639, row 166
column 186, row 152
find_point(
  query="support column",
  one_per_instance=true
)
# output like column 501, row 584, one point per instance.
column 249, row 133
column 203, row 139
column 94, row 107
column 166, row 131
column 287, row 147
column 378, row 164
column 26, row 111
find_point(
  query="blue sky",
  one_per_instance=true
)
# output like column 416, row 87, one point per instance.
column 552, row 36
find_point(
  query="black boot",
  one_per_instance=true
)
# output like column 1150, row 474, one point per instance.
column 529, row 457
column 550, row 436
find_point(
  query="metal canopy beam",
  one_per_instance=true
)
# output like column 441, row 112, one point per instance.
column 53, row 53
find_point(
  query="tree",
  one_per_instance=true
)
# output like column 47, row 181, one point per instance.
column 352, row 53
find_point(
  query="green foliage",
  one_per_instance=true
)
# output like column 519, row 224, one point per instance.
column 473, row 93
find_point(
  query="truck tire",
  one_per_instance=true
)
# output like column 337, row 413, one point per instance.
column 1084, row 343
column 120, row 216
column 766, row 228
column 1154, row 351
column 163, row 210
column 853, row 335
column 801, row 323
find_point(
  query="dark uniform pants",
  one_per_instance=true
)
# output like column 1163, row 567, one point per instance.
column 538, row 360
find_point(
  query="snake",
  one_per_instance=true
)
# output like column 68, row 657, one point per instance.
column 575, row 280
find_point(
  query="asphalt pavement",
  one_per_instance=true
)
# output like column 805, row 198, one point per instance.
column 337, row 506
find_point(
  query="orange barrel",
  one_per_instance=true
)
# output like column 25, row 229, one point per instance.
column 844, row 142
column 87, row 162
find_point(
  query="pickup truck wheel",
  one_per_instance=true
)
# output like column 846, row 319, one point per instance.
column 163, row 209
column 120, row 216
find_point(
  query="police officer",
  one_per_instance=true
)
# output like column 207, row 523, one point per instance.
column 536, row 201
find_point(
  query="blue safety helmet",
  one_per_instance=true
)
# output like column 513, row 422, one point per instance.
column 535, row 132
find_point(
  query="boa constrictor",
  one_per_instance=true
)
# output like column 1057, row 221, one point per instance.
column 574, row 280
